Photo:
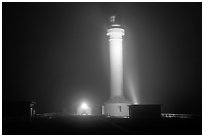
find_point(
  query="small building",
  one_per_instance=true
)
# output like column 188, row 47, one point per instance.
column 146, row 111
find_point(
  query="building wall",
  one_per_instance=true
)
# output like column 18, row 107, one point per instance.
column 145, row 111
column 117, row 109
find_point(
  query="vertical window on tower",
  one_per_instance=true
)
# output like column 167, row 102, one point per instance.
column 120, row 108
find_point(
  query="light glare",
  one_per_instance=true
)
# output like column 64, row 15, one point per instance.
column 131, row 87
column 84, row 106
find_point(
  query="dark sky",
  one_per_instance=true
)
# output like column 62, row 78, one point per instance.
column 57, row 53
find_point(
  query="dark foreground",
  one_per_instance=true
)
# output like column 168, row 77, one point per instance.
column 98, row 125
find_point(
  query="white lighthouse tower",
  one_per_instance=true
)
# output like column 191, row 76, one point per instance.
column 117, row 105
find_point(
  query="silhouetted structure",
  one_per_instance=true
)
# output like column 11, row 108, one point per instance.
column 145, row 111
column 18, row 108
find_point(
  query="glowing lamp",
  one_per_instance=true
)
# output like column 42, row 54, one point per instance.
column 84, row 109
column 84, row 106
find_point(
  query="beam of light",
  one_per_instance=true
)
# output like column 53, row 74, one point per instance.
column 131, row 86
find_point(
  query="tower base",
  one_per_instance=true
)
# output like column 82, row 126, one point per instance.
column 117, row 107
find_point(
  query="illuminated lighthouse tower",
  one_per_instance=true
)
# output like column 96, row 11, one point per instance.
column 117, row 105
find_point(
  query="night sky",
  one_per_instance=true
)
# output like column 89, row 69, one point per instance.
column 57, row 54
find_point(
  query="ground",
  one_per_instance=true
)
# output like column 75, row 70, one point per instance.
column 99, row 125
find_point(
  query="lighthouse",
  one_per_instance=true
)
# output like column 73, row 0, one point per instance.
column 117, row 105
